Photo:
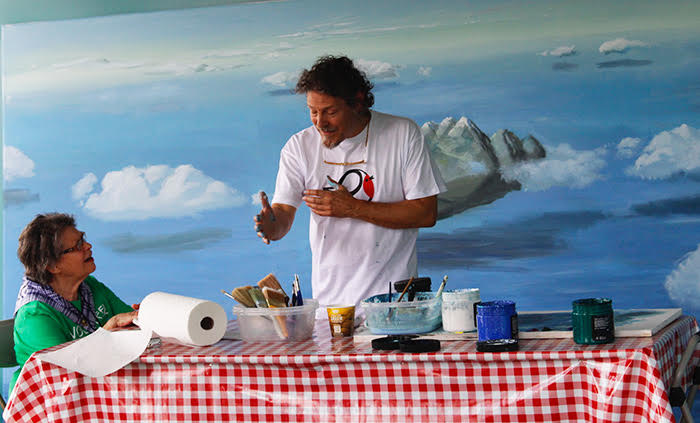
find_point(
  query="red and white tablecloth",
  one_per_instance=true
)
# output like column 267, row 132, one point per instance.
column 328, row 380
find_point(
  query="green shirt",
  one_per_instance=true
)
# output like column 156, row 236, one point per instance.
column 39, row 326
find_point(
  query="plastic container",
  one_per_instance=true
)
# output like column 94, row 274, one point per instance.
column 496, row 320
column 593, row 321
column 277, row 324
column 385, row 316
column 459, row 309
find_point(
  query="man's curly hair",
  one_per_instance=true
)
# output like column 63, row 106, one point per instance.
column 337, row 76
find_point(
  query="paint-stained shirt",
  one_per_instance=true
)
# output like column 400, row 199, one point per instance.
column 39, row 326
column 388, row 161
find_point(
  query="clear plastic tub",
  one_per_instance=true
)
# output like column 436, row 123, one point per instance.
column 423, row 314
column 277, row 324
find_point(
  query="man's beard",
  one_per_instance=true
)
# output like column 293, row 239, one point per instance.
column 326, row 140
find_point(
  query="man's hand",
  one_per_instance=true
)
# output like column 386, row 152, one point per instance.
column 265, row 220
column 274, row 221
column 418, row 213
column 336, row 203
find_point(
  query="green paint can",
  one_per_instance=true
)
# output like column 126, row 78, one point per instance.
column 593, row 321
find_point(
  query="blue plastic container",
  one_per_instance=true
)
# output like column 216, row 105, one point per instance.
column 386, row 316
column 496, row 320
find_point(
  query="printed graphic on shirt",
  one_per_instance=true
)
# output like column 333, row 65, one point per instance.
column 101, row 312
column 77, row 332
column 358, row 182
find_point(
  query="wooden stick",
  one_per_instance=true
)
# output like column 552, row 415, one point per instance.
column 410, row 281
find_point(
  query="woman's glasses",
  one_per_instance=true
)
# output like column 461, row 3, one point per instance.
column 78, row 245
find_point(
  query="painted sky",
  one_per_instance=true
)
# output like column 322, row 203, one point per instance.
column 41, row 59
column 163, row 126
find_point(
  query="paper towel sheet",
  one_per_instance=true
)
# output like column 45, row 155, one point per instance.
column 100, row 353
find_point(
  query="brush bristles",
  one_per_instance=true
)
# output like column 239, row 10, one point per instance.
column 271, row 281
column 257, row 296
column 242, row 296
column 274, row 297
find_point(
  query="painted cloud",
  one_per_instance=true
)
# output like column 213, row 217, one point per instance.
column 281, row 79
column 16, row 164
column 155, row 191
column 682, row 284
column 563, row 166
column 627, row 147
column 669, row 153
column 620, row 45
column 377, row 70
column 373, row 68
column 560, row 51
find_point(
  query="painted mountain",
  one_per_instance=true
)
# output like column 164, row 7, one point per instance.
column 471, row 162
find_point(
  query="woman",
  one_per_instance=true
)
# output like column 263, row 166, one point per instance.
column 59, row 301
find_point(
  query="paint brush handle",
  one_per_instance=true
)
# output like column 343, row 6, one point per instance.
column 410, row 282
column 442, row 286
column 228, row 295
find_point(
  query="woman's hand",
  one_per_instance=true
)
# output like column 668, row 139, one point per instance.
column 121, row 320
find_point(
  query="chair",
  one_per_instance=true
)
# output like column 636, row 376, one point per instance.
column 7, row 349
column 678, row 397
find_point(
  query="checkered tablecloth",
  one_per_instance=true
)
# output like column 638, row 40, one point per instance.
column 328, row 380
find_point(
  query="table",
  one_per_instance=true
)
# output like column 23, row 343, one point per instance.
column 327, row 380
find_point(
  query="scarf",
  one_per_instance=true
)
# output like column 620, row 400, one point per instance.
column 34, row 291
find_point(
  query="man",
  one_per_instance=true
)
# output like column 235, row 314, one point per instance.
column 366, row 176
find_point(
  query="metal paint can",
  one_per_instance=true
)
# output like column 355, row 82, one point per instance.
column 593, row 321
column 496, row 320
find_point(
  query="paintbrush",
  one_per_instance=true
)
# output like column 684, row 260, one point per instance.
column 257, row 296
column 390, row 313
column 297, row 288
column 241, row 295
column 261, row 302
column 442, row 286
column 227, row 294
column 276, row 299
column 271, row 281
column 410, row 282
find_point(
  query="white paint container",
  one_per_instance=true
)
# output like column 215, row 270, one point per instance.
column 459, row 309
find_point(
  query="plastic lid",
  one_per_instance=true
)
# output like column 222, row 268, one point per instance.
column 390, row 342
column 592, row 305
column 497, row 345
column 419, row 345
column 471, row 294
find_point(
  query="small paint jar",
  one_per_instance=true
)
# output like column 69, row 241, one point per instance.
column 459, row 309
column 593, row 321
column 496, row 320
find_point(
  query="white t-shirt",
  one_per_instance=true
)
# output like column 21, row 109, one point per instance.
column 353, row 259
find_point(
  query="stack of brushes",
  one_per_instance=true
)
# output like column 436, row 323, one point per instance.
column 268, row 294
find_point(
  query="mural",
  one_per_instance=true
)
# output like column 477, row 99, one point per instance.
column 567, row 132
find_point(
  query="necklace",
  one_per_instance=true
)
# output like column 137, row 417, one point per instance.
column 353, row 163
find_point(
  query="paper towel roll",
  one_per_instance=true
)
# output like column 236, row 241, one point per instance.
column 189, row 320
